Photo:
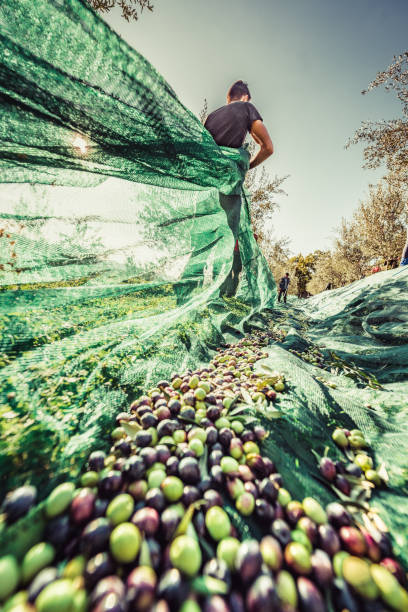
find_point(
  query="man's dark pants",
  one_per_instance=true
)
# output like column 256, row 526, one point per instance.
column 283, row 292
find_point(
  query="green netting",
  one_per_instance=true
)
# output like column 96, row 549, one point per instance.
column 116, row 256
column 119, row 216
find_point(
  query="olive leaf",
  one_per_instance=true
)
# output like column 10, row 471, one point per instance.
column 187, row 518
column 131, row 428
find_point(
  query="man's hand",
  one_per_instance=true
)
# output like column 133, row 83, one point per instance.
column 260, row 134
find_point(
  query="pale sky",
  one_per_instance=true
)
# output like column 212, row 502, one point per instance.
column 306, row 62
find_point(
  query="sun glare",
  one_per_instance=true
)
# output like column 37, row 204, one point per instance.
column 80, row 144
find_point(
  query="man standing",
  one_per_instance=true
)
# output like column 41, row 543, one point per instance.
column 229, row 126
column 283, row 287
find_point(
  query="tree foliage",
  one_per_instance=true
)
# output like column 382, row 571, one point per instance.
column 131, row 9
column 387, row 141
column 303, row 266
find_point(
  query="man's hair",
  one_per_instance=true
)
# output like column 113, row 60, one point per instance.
column 287, row 273
column 239, row 89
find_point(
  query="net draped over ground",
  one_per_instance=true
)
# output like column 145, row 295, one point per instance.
column 119, row 216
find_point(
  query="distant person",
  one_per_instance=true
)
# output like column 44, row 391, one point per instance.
column 404, row 258
column 329, row 286
column 375, row 269
column 283, row 287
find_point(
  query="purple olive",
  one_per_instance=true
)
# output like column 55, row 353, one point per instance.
column 322, row 568
column 170, row 520
column 328, row 539
column 338, row 515
column 155, row 553
column 225, row 436
column 124, row 447
column 268, row 490
column 213, row 413
column 174, row 407
column 98, row 567
column 248, row 561
column 141, row 585
column 143, row 410
column 163, row 453
column 138, row 489
column 149, row 456
column 212, row 498
column 143, row 438
column 342, row 597
column 190, row 495
column 199, row 524
column 110, row 584
column 119, row 464
column 281, row 530
column 162, row 412
column 173, row 589
column 262, row 595
column 236, row 602
column 189, row 470
column 217, row 476
column 310, row 597
column 269, row 466
column 212, row 435
column 187, row 412
column 342, row 484
column 327, row 468
column 264, row 511
column 96, row 461
column 82, row 507
column 110, row 484
column 248, row 436
column 215, row 457
column 257, row 465
column 354, row 470
column 135, row 468
column 250, row 487
column 147, row 519
column 58, row 531
column 294, row 511
column 95, row 536
column 279, row 511
column 172, row 464
column 18, row 502
column 260, row 433
column 122, row 416
column 353, row 541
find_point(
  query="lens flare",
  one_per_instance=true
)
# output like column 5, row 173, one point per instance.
column 80, row 144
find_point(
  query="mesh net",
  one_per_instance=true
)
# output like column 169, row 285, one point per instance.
column 119, row 217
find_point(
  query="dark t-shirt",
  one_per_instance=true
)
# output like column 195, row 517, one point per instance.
column 230, row 124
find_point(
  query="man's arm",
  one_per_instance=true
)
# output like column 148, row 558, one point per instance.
column 260, row 134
